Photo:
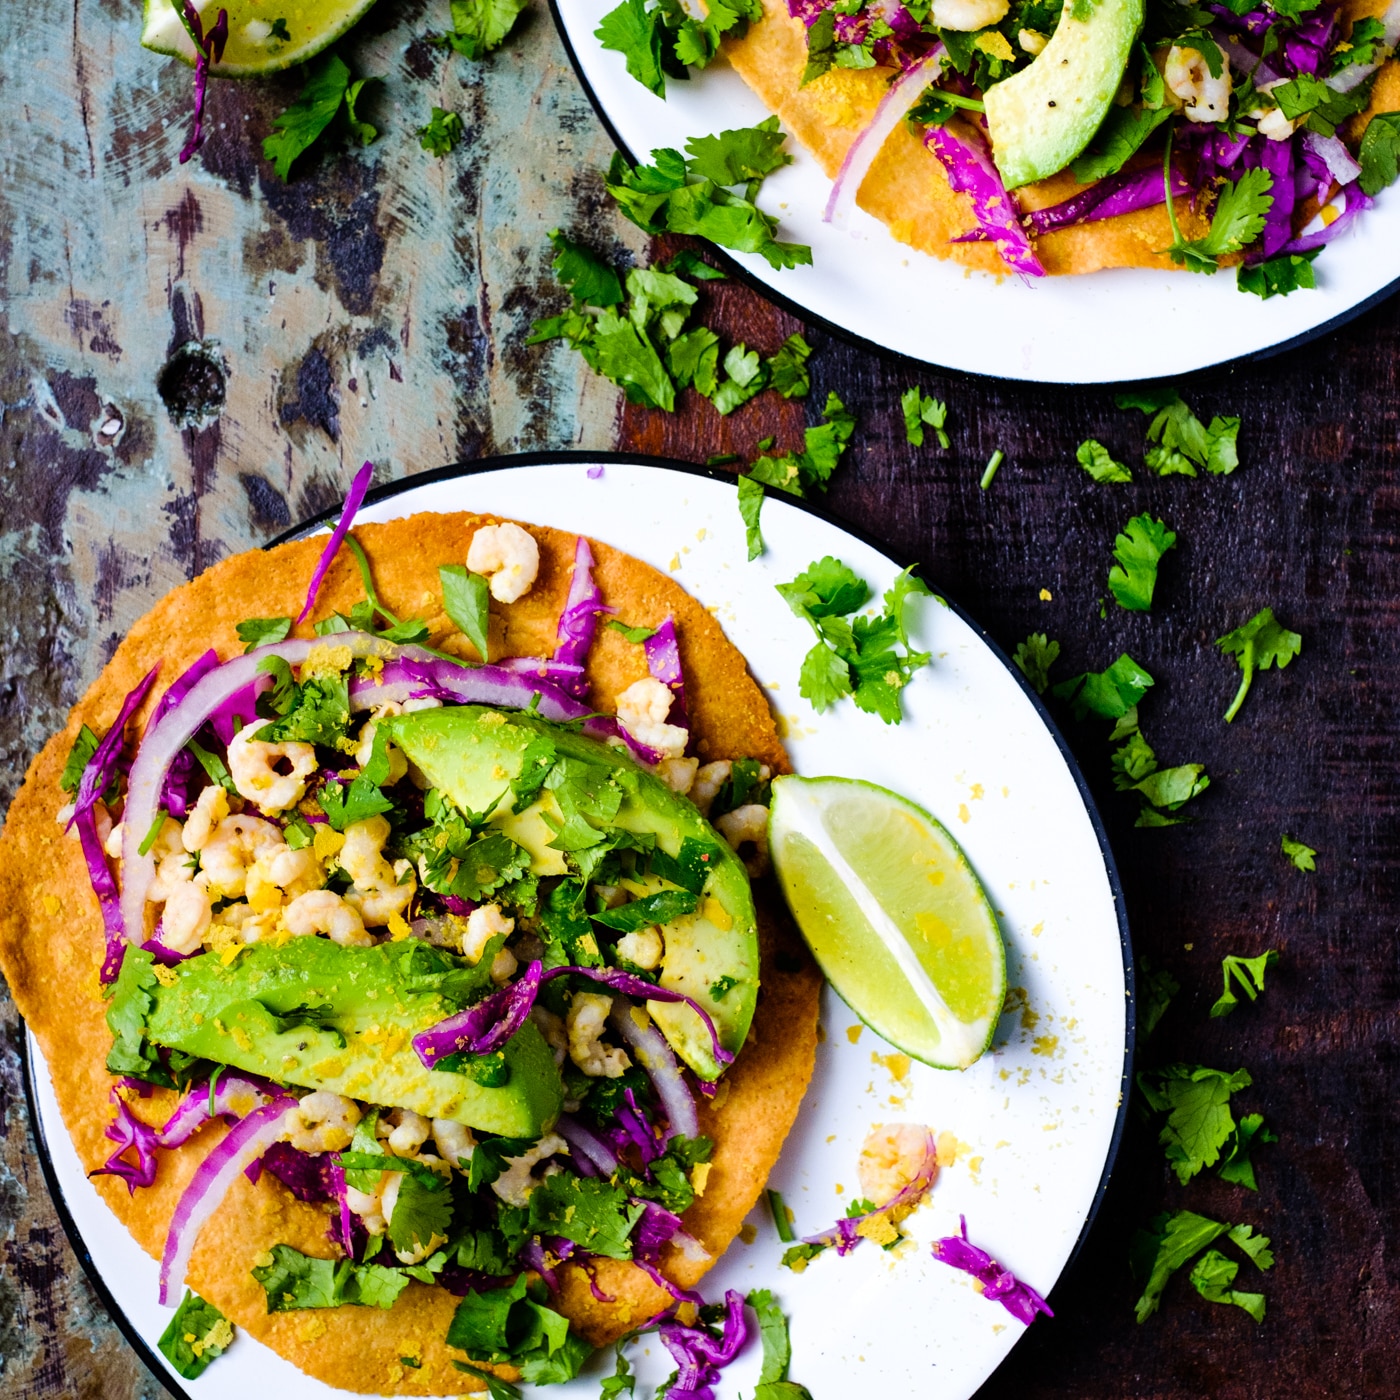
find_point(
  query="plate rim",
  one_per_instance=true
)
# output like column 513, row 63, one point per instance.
column 741, row 273
column 582, row 457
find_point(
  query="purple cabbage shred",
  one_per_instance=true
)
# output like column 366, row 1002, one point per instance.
column 699, row 1355
column 998, row 1284
column 353, row 501
column 209, row 49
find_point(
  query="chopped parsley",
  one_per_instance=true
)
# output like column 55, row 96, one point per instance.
column 1247, row 973
column 867, row 658
column 1034, row 657
column 1096, row 459
column 1260, row 644
column 1138, row 551
column 198, row 1334
column 680, row 195
column 665, row 40
column 920, row 410
column 1303, row 857
column 1178, row 442
column 442, row 133
column 479, row 26
column 1277, row 277
column 327, row 92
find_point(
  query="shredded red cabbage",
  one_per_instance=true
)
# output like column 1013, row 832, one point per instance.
column 579, row 620
column 968, row 162
column 1357, row 201
column 699, row 1354
column 209, row 48
column 130, row 1133
column 308, row 1176
column 586, row 1147
column 664, row 662
column 1115, row 194
column 568, row 678
column 353, row 501
column 899, row 48
column 652, row 1051
column 633, row 1126
column 594, row 473
column 998, row 1284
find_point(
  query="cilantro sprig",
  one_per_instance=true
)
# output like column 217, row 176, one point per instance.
column 1200, row 1130
column 1304, row 858
column 328, row 92
column 1034, row 658
column 1171, row 1241
column 1245, row 973
column 1258, row 645
column 665, row 40
column 1138, row 550
column 867, row 658
column 480, row 26
column 1178, row 441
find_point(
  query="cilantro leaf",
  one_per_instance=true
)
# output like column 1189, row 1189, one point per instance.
column 1240, row 210
column 773, row 1383
column 1236, row 1158
column 633, row 634
column 665, row 41
column 1156, row 988
column 592, row 281
column 1034, row 657
column 293, row 1281
column 750, row 505
column 1132, row 762
column 787, row 370
column 1303, row 857
column 79, row 756
column 1317, row 106
column 1248, row 972
column 659, row 908
column 1138, row 550
column 479, row 26
column 1171, row 788
column 422, row 1211
column 738, row 156
column 1258, row 645
column 825, row 677
column 466, row 599
column 1212, row 1278
column 1255, row 1246
column 1124, row 132
column 326, row 91
column 747, row 375
column 920, row 409
column 1095, row 458
column 638, row 34
column 1363, row 46
column 622, row 1381
column 1110, row 693
column 507, row 1324
column 255, row 632
column 825, row 588
column 442, row 133
column 594, row 1214
column 315, row 712
column 1159, row 1251
column 198, row 1334
column 1289, row 272
column 1380, row 152
column 796, row 1257
column 1196, row 1100
column 1180, row 442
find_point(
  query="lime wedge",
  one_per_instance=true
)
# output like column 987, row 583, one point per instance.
column 893, row 914
column 264, row 36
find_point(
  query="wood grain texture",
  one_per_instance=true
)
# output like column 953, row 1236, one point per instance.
column 377, row 307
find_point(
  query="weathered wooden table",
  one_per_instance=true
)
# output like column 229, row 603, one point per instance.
column 378, row 306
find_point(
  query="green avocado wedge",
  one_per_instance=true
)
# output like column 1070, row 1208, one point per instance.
column 488, row 762
column 1041, row 118
column 321, row 1016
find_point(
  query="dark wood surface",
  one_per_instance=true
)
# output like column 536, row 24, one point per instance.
column 92, row 534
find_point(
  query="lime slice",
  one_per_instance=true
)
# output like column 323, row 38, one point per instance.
column 264, row 36
column 893, row 914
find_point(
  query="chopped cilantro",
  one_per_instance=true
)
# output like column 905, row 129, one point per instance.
column 1380, row 152
column 1200, row 1129
column 198, row 1334
column 622, row 1381
column 633, row 634
column 1034, row 657
column 796, row 1257
column 422, row 1212
column 659, row 908
column 1315, row 105
column 1110, row 694
column 1255, row 1246
column 1123, row 133
column 1212, row 1278
column 442, row 133
column 1155, row 989
column 594, row 1214
column 1363, row 46
column 993, row 466
column 328, row 90
column 1289, row 272
column 1248, row 973
column 1260, row 644
column 591, row 281
column 79, row 756
column 683, row 196
column 466, row 599
column 773, row 1383
column 664, row 41
column 514, row 1324
column 1303, row 857
column 750, row 506
column 1159, row 1251
column 1178, row 441
column 479, row 26
column 1240, row 211
column 1095, row 458
column 255, row 632
column 1138, row 551
column 777, row 1208
column 294, row 1281
column 920, row 409
column 787, row 370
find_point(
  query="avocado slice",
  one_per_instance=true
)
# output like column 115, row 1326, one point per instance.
column 473, row 755
column 320, row 1016
column 1041, row 118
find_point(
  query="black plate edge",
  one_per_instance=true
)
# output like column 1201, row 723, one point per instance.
column 156, row 1364
column 795, row 308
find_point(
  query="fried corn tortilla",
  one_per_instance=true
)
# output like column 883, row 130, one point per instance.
column 51, row 945
column 907, row 188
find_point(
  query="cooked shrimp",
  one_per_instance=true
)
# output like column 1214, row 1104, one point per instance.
column 708, row 780
column 186, row 918
column 967, row 15
column 324, row 911
column 321, row 1122
column 254, row 767
column 237, row 843
column 453, row 1140
column 410, row 1133
column 588, row 1016
column 381, row 890
column 892, row 1156
column 747, row 826
column 514, row 1184
column 678, row 773
column 508, row 556
column 174, row 867
column 209, row 811
column 1188, row 76
column 642, row 709
column 283, row 873
column 483, row 924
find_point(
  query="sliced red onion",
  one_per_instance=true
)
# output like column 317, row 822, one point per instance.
column 651, row 1050
column 233, row 1094
column 353, row 501
column 699, row 1355
column 569, row 678
column 484, row 1028
column 1357, row 201
column 129, row 1132
column 1334, row 155
column 208, row 49
column 895, row 105
column 998, row 1284
column 102, row 766
column 175, row 795
column 968, row 162
column 586, row 1146
column 245, row 1142
column 664, row 662
column 579, row 621
column 845, row 1234
column 1242, row 58
column 594, row 473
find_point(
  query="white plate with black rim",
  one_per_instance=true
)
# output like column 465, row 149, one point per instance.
column 1034, row 1125
column 1107, row 327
